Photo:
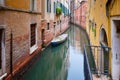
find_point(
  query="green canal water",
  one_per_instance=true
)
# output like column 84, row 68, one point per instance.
column 63, row 62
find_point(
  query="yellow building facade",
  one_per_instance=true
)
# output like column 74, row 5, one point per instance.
column 25, row 5
column 103, row 28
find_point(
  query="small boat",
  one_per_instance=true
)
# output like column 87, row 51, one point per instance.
column 59, row 39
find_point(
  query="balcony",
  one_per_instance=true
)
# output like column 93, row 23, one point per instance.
column 96, row 62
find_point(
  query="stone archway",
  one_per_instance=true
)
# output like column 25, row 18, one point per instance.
column 104, row 54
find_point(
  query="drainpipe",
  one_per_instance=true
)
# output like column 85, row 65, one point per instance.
column 11, row 53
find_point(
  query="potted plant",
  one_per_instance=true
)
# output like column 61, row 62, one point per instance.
column 58, row 11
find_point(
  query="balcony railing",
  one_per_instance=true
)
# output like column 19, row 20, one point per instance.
column 96, row 61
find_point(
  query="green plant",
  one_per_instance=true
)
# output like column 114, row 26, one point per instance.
column 58, row 11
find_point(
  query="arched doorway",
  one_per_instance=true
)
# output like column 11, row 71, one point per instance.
column 104, row 53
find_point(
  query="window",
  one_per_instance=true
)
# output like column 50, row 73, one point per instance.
column 33, row 35
column 58, row 22
column 48, row 26
column 1, row 2
column 48, row 5
column 0, row 48
column 32, row 5
column 2, row 51
column 54, row 7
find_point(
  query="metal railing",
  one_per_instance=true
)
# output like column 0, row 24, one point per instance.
column 96, row 61
column 87, row 70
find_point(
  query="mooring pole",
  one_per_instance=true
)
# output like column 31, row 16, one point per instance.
column 11, row 53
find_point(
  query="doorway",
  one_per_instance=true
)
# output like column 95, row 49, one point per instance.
column 42, row 36
column 115, row 39
column 104, row 54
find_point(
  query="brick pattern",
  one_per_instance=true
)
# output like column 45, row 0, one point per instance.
column 49, row 34
column 80, row 15
column 19, row 23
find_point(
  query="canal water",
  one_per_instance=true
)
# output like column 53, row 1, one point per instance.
column 63, row 62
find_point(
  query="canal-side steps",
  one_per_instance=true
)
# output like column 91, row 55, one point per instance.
column 59, row 39
column 102, row 77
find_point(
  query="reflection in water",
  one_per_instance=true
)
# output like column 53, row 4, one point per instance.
column 77, row 41
column 52, row 65
column 64, row 62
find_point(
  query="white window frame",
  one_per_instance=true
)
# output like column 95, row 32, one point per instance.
column 34, row 47
column 3, row 57
column 1, row 2
column 33, row 6
column 48, row 6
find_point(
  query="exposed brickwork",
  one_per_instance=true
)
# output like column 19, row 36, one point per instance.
column 19, row 23
column 80, row 14
column 49, row 34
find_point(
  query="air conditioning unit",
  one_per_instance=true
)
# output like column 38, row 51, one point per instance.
column 1, row 2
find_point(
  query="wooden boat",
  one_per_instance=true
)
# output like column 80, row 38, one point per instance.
column 59, row 39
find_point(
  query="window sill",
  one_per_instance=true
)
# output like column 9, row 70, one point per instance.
column 4, row 75
column 19, row 10
column 33, row 48
column 48, row 30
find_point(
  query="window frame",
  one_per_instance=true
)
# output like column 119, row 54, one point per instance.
column 33, row 5
column 2, row 3
column 54, row 7
column 3, row 57
column 33, row 47
column 49, row 6
column 48, row 26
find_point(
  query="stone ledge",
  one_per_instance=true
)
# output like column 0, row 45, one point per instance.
column 19, row 10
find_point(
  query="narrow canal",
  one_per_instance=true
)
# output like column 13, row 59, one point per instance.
column 63, row 62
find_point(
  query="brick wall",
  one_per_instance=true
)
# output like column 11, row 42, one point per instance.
column 80, row 15
column 19, row 23
column 49, row 34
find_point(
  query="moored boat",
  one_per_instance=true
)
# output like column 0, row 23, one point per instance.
column 59, row 39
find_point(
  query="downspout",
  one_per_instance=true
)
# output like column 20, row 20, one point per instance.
column 108, row 16
column 11, row 54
